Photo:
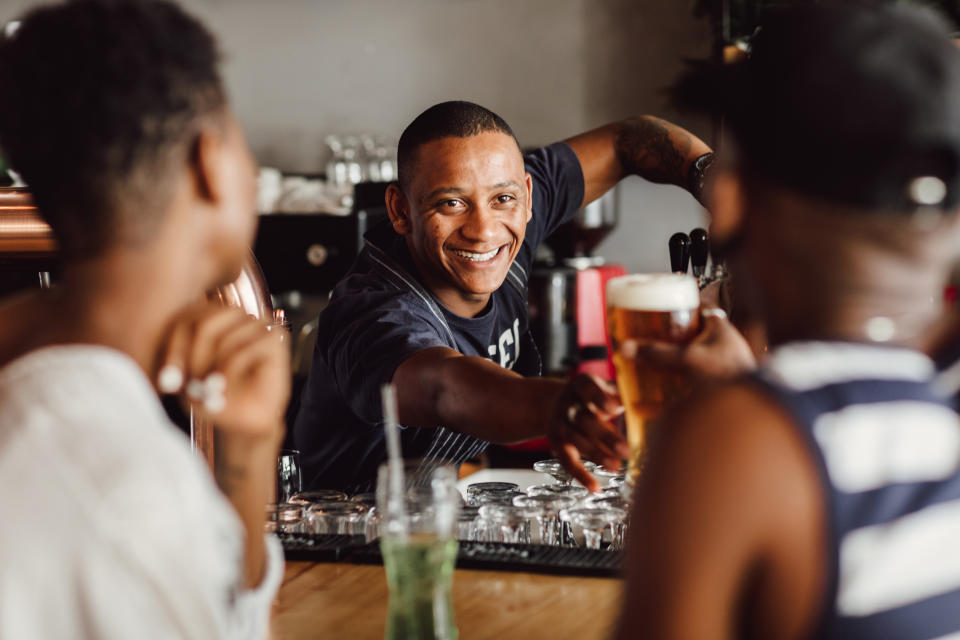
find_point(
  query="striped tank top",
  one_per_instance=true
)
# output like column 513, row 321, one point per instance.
column 887, row 448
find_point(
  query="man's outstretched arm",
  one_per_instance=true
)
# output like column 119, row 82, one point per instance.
column 439, row 386
column 646, row 146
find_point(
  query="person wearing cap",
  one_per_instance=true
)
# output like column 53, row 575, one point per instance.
column 820, row 496
column 115, row 114
column 437, row 300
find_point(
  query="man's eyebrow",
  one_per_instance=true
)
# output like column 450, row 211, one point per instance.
column 458, row 191
column 504, row 185
column 442, row 190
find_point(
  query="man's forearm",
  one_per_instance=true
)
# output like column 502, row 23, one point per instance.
column 657, row 150
column 475, row 396
column 643, row 145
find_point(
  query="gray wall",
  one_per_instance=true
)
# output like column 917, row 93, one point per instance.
column 299, row 69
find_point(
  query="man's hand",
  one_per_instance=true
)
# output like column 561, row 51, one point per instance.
column 719, row 351
column 581, row 426
column 232, row 369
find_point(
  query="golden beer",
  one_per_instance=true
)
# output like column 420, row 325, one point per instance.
column 644, row 307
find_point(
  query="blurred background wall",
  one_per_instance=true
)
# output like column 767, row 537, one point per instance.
column 298, row 70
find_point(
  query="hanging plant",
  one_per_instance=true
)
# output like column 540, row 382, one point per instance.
column 746, row 15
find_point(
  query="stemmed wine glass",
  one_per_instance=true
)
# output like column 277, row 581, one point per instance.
column 554, row 467
column 607, row 475
column 573, row 491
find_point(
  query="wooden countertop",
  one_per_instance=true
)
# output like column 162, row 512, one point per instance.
column 341, row 600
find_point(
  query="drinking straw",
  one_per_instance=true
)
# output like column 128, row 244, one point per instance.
column 395, row 503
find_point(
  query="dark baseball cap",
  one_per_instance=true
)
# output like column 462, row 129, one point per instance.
column 855, row 103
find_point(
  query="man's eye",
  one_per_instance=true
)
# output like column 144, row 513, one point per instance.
column 449, row 204
column 503, row 199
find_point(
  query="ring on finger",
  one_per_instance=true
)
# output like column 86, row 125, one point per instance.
column 573, row 411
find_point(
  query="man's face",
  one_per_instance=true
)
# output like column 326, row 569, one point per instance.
column 467, row 208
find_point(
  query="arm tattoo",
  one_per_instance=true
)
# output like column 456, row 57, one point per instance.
column 645, row 147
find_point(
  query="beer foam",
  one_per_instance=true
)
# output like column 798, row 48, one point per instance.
column 653, row 292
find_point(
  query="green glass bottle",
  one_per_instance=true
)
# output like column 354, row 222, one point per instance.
column 420, row 577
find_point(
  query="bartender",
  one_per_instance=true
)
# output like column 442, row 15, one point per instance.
column 436, row 302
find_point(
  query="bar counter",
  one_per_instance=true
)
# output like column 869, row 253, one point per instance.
column 342, row 600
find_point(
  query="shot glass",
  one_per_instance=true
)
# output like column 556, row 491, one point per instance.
column 336, row 517
column 322, row 495
column 475, row 489
column 618, row 528
column 594, row 521
column 545, row 508
column 467, row 523
column 497, row 497
column 511, row 520
column 284, row 518
column 289, row 481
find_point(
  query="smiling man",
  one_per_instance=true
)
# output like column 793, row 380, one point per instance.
column 437, row 300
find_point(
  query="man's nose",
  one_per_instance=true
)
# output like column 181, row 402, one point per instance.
column 481, row 224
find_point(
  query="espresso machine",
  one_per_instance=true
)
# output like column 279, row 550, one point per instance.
column 567, row 294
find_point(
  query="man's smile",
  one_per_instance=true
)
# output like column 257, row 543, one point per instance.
column 477, row 256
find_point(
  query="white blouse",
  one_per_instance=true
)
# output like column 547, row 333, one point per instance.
column 110, row 527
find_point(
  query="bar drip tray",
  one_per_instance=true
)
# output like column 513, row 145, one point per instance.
column 491, row 556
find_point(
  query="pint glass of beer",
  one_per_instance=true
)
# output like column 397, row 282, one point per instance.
column 644, row 307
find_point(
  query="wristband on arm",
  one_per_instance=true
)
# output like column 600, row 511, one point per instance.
column 698, row 175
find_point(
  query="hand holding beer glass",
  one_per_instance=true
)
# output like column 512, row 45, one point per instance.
column 661, row 307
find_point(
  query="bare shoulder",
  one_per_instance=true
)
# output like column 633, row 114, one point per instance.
column 737, row 416
column 736, row 501
column 746, row 455
column 732, row 426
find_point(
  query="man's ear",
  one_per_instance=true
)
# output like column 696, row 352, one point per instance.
column 207, row 166
column 398, row 210
column 528, row 184
column 726, row 201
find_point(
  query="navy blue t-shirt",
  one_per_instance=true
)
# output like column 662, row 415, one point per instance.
column 380, row 314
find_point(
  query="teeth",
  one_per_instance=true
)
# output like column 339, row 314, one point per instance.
column 475, row 257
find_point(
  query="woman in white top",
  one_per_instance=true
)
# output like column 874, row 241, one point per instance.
column 115, row 115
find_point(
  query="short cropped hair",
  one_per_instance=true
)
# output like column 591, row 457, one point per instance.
column 100, row 107
column 453, row 119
